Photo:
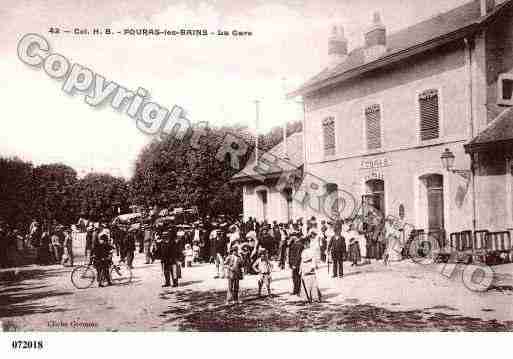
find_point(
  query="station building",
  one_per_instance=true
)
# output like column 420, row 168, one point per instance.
column 416, row 123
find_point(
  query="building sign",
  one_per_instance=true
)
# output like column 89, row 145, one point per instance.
column 374, row 175
column 375, row 163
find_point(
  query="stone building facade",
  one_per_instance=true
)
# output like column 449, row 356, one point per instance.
column 377, row 123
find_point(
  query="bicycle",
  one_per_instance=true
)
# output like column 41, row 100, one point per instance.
column 83, row 277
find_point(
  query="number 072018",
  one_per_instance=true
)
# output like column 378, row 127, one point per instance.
column 27, row 344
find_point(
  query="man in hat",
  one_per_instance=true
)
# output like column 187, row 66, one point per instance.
column 68, row 248
column 266, row 239
column 219, row 246
column 233, row 264
column 337, row 249
column 308, row 272
column 276, row 234
column 130, row 247
column 148, row 237
column 295, row 250
column 102, row 259
column 282, row 249
column 168, row 255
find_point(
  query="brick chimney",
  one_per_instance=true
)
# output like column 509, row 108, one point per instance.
column 337, row 46
column 375, row 39
column 486, row 6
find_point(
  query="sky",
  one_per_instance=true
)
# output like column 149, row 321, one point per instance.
column 215, row 79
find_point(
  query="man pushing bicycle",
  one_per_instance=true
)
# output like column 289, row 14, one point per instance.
column 102, row 259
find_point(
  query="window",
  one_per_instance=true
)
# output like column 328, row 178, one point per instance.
column 373, row 127
column 429, row 115
column 331, row 201
column 505, row 90
column 328, row 131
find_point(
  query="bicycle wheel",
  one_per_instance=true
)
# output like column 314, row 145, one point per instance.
column 83, row 277
column 120, row 274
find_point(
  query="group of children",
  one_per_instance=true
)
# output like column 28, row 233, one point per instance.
column 234, row 269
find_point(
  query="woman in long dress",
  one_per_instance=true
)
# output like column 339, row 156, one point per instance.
column 393, row 243
column 361, row 241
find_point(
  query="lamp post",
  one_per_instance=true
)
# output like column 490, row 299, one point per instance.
column 448, row 159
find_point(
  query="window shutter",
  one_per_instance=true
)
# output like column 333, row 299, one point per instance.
column 373, row 124
column 429, row 117
column 328, row 128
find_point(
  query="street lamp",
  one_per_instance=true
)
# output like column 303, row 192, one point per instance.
column 448, row 159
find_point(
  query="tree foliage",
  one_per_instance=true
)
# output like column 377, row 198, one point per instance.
column 173, row 173
column 52, row 192
column 168, row 173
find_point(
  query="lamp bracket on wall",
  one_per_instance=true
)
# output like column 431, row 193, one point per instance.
column 466, row 174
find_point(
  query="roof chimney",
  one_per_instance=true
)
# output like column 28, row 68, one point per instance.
column 375, row 39
column 337, row 46
column 486, row 6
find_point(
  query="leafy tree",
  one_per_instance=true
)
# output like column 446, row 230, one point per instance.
column 16, row 191
column 53, row 192
column 173, row 173
column 99, row 196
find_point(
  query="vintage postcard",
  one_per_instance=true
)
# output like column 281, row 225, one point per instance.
column 242, row 166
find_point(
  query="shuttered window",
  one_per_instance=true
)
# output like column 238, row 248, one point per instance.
column 328, row 130
column 429, row 115
column 373, row 127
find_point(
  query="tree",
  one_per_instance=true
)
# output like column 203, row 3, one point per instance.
column 16, row 191
column 173, row 173
column 98, row 196
column 53, row 192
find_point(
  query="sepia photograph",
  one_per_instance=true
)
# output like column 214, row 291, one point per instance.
column 255, row 166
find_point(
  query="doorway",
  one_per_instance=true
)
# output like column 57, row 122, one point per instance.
column 375, row 194
column 432, row 206
column 262, row 195
column 287, row 194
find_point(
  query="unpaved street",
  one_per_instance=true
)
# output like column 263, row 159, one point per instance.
column 404, row 296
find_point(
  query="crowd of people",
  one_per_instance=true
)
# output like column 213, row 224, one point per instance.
column 236, row 247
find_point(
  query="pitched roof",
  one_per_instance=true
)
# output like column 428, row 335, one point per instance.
column 276, row 155
column 497, row 134
column 420, row 37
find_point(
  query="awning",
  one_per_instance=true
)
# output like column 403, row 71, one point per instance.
column 498, row 136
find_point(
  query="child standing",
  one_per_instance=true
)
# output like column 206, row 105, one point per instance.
column 195, row 251
column 233, row 266
column 188, row 255
column 263, row 267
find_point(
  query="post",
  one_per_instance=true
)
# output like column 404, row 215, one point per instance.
column 285, row 145
column 257, row 105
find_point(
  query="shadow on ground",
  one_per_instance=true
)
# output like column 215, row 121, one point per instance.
column 205, row 311
column 20, row 293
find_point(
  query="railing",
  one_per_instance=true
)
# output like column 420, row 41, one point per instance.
column 481, row 246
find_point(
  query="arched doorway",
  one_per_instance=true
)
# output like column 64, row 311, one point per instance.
column 374, row 215
column 375, row 194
